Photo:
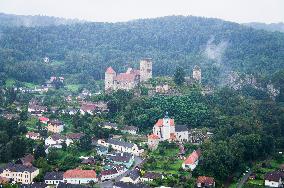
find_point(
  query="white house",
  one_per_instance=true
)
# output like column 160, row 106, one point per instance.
column 274, row 179
column 109, row 174
column 53, row 178
column 132, row 177
column 150, row 176
column 191, row 161
column 130, row 130
column 33, row 136
column 121, row 146
column 77, row 176
column 55, row 139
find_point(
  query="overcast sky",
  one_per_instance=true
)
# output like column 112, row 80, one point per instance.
column 268, row 11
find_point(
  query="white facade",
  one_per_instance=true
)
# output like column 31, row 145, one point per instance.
column 79, row 180
column 50, row 142
column 273, row 183
column 52, row 182
column 20, row 177
column 133, row 150
column 182, row 136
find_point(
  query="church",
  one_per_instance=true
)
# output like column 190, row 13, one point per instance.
column 130, row 79
column 166, row 130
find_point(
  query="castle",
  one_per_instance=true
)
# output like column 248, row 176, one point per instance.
column 130, row 78
column 166, row 130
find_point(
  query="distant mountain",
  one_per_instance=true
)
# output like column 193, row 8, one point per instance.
column 33, row 21
column 87, row 49
column 268, row 27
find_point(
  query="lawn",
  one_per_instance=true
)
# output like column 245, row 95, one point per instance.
column 73, row 87
column 255, row 182
column 10, row 82
column 165, row 161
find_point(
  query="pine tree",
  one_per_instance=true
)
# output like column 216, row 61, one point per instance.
column 179, row 76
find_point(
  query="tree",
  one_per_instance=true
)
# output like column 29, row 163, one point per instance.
column 179, row 76
column 85, row 143
column 40, row 151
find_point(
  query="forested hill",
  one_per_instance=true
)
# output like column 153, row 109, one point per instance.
column 86, row 49
column 268, row 27
column 33, row 21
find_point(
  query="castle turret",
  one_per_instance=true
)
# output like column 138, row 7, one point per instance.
column 196, row 74
column 109, row 79
column 145, row 69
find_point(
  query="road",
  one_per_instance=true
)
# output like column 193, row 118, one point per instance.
column 244, row 179
column 109, row 183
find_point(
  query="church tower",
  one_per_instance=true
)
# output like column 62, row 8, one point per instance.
column 196, row 74
column 145, row 69
column 110, row 74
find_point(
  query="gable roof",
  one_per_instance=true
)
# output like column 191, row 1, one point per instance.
column 192, row 158
column 120, row 143
column 110, row 70
column 77, row 173
column 74, row 136
column 152, row 175
column 205, row 180
column 160, row 122
column 109, row 172
column 274, row 176
column 134, row 174
column 54, row 176
column 153, row 137
column 20, row 168
column 181, row 128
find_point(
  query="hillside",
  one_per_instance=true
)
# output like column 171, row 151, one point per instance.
column 33, row 21
column 87, row 49
column 268, row 27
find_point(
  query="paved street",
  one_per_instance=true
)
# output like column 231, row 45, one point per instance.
column 109, row 183
column 244, row 179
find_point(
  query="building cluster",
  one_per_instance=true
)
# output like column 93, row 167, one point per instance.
column 166, row 130
column 130, row 79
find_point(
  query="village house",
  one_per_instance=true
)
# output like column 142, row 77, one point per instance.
column 77, row 176
column 192, row 160
column 151, row 176
column 55, row 126
column 36, row 109
column 88, row 108
column 33, row 136
column 19, row 173
column 121, row 146
column 125, row 159
column 162, row 89
column 26, row 160
column 121, row 184
column 88, row 161
column 109, row 125
column 43, row 120
column 101, row 150
column 109, row 174
column 4, row 181
column 165, row 129
column 132, row 177
column 10, row 116
column 129, row 129
column 274, row 179
column 53, row 178
column 102, row 106
column 73, row 137
column 130, row 79
column 33, row 185
column 54, row 141
column 205, row 182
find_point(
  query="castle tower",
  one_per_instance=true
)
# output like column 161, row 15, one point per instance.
column 196, row 74
column 109, row 79
column 145, row 69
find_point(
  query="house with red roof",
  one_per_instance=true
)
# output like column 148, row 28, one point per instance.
column 78, row 176
column 192, row 160
column 130, row 78
column 43, row 120
column 204, row 181
column 88, row 108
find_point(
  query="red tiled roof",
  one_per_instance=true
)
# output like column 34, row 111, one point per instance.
column 160, row 122
column 110, row 70
column 125, row 77
column 172, row 136
column 153, row 136
column 88, row 107
column 43, row 119
column 206, row 180
column 77, row 173
column 192, row 158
